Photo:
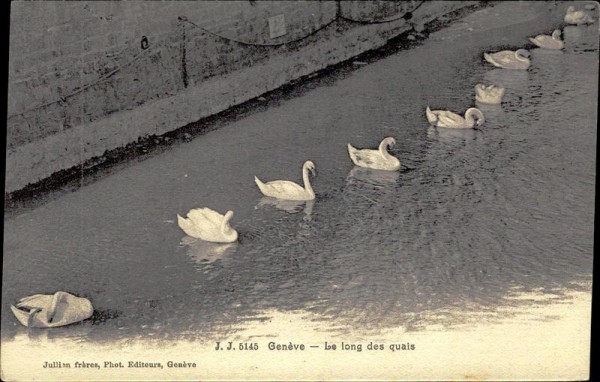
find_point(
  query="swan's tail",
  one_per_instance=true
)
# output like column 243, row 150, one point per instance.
column 533, row 40
column 183, row 223
column 490, row 59
column 431, row 117
column 351, row 149
column 21, row 315
column 261, row 185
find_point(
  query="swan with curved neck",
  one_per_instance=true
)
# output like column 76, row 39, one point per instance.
column 444, row 118
column 491, row 94
column 508, row 59
column 379, row 159
column 284, row 189
column 577, row 17
column 548, row 42
column 49, row 311
column 208, row 225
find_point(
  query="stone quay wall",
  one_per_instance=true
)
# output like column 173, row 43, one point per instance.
column 87, row 77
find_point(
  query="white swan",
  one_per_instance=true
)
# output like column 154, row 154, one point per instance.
column 208, row 225
column 491, row 94
column 376, row 159
column 508, row 59
column 577, row 17
column 283, row 189
column 548, row 42
column 49, row 311
column 443, row 118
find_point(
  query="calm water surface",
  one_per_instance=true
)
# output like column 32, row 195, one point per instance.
column 472, row 218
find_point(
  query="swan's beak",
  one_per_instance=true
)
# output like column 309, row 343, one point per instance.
column 314, row 171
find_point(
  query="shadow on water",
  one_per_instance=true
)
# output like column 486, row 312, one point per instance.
column 473, row 217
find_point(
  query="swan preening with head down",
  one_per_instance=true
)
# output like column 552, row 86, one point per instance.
column 548, row 42
column 284, row 189
column 444, row 118
column 491, row 94
column 379, row 159
column 208, row 225
column 577, row 17
column 49, row 311
column 508, row 59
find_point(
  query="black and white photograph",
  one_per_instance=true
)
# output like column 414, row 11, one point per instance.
column 299, row 190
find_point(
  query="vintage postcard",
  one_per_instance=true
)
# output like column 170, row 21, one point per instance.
column 307, row 190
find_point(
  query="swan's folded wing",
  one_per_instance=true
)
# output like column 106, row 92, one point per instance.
column 366, row 156
column 544, row 40
column 449, row 119
column 535, row 40
column 205, row 216
column 504, row 57
column 494, row 92
column 284, row 186
column 41, row 301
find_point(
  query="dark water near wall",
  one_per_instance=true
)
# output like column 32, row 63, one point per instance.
column 472, row 217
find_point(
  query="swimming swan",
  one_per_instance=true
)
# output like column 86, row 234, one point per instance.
column 443, row 118
column 208, row 225
column 491, row 94
column 508, row 59
column 376, row 159
column 283, row 189
column 577, row 17
column 548, row 42
column 49, row 311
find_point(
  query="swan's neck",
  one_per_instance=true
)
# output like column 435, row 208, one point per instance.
column 521, row 58
column 306, row 180
column 469, row 116
column 225, row 227
column 383, row 146
column 556, row 36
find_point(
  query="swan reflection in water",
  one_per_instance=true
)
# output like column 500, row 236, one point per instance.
column 514, row 81
column 451, row 135
column 289, row 206
column 203, row 252
column 493, row 113
column 578, row 40
column 572, row 35
column 541, row 52
column 372, row 176
column 76, row 331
